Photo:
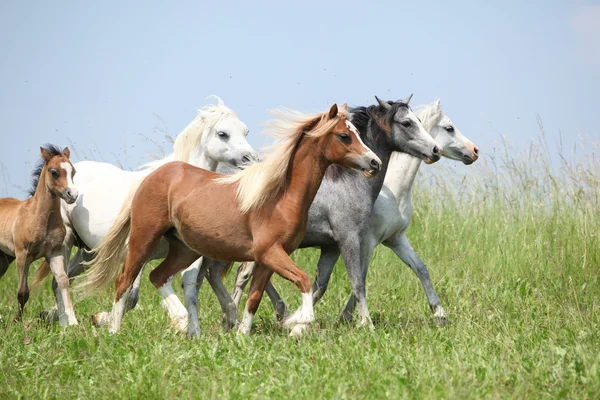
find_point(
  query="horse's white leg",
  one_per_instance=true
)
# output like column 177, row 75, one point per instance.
column 244, row 274
column 189, row 280
column 118, row 310
column 66, row 314
column 227, row 305
column 176, row 310
column 329, row 256
column 401, row 246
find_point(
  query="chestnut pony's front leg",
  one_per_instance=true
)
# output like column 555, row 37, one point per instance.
column 277, row 260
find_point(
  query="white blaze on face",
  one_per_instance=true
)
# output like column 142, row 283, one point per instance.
column 369, row 152
column 69, row 171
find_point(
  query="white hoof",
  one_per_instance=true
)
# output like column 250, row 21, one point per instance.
column 297, row 318
column 439, row 315
column 366, row 322
column 298, row 330
column 180, row 323
column 102, row 318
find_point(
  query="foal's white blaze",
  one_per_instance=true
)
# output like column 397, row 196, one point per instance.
column 177, row 312
column 69, row 171
column 246, row 323
column 353, row 129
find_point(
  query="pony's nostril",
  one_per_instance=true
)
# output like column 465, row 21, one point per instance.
column 246, row 159
column 476, row 150
column 374, row 163
column 436, row 150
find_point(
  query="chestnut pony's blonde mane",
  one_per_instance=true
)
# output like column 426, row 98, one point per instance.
column 260, row 182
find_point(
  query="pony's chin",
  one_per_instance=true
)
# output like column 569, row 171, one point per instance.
column 428, row 160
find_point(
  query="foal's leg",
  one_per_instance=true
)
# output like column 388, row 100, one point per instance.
column 66, row 314
column 5, row 261
column 180, row 257
column 75, row 269
column 401, row 246
column 329, row 256
column 23, row 263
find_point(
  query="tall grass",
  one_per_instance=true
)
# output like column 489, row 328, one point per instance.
column 512, row 246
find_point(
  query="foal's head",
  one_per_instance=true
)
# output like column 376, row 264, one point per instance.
column 57, row 173
column 345, row 147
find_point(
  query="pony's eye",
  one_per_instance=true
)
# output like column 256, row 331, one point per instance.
column 344, row 138
column 55, row 174
column 223, row 135
column 406, row 123
column 449, row 128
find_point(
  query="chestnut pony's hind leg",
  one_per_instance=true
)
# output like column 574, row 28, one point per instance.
column 179, row 257
column 23, row 263
column 143, row 239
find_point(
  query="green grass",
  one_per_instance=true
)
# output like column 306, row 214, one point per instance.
column 515, row 261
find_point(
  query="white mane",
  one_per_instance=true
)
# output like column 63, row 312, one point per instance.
column 430, row 115
column 188, row 141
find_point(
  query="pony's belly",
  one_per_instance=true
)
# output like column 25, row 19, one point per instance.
column 222, row 246
column 7, row 248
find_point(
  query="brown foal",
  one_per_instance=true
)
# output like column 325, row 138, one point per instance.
column 34, row 228
column 258, row 214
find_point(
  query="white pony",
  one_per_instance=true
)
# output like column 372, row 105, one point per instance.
column 391, row 217
column 215, row 136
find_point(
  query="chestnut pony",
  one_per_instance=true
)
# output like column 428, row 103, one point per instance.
column 34, row 228
column 257, row 214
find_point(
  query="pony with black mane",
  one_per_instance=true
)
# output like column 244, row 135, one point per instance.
column 33, row 228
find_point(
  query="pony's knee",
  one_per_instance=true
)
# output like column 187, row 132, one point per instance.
column 61, row 281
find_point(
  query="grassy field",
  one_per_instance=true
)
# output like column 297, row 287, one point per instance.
column 514, row 253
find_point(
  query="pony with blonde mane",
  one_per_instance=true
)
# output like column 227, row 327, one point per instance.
column 388, row 222
column 202, row 213
column 216, row 135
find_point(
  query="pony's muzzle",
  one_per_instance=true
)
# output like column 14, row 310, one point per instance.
column 70, row 195
column 374, row 165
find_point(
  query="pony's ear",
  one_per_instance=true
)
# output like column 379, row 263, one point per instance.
column 383, row 104
column 345, row 106
column 45, row 154
column 66, row 152
column 333, row 111
column 437, row 105
column 407, row 100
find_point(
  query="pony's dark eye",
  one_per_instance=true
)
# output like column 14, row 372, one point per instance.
column 406, row 123
column 344, row 138
column 449, row 128
column 223, row 135
column 55, row 174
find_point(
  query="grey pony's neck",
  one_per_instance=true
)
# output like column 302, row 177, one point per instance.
column 374, row 138
column 402, row 171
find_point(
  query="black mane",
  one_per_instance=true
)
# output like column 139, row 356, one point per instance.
column 39, row 166
column 360, row 119
column 362, row 115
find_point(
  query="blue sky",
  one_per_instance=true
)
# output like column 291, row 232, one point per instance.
column 98, row 74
